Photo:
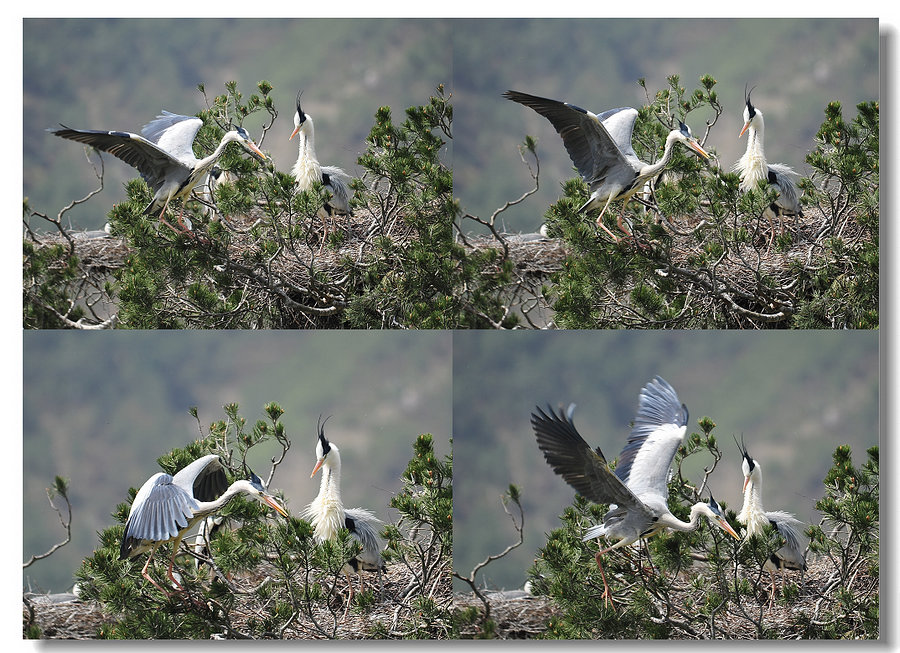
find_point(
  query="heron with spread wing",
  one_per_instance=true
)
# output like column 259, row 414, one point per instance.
column 637, row 490
column 600, row 147
column 163, row 153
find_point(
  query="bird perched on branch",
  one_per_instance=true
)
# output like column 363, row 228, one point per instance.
column 636, row 492
column 793, row 554
column 308, row 171
column 167, row 507
column 600, row 147
column 163, row 154
column 327, row 514
column 753, row 168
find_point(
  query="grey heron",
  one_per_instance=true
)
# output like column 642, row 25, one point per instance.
column 163, row 154
column 327, row 514
column 166, row 507
column 793, row 554
column 753, row 168
column 636, row 491
column 600, row 147
column 307, row 170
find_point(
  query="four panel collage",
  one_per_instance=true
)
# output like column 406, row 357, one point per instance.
column 445, row 329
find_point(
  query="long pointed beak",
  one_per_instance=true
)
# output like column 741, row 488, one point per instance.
column 746, row 483
column 699, row 150
column 316, row 468
column 255, row 150
column 746, row 125
column 275, row 505
column 294, row 133
column 728, row 529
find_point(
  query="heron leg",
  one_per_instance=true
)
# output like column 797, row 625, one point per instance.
column 147, row 575
column 600, row 220
column 607, row 594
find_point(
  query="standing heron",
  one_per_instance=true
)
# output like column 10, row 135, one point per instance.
column 793, row 554
column 308, row 171
column 636, row 491
column 166, row 507
column 600, row 147
column 327, row 514
column 163, row 153
column 753, row 168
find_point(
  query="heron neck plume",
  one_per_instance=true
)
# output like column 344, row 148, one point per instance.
column 752, row 514
column 327, row 509
column 307, row 169
column 753, row 164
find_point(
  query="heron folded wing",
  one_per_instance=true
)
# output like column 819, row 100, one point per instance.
column 790, row 527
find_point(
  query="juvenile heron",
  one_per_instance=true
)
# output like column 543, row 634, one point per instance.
column 753, row 168
column 327, row 514
column 163, row 153
column 600, row 147
column 793, row 554
column 308, row 171
column 166, row 507
column 636, row 491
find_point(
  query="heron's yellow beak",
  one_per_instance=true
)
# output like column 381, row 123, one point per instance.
column 746, row 125
column 699, row 150
column 727, row 527
column 746, row 481
column 294, row 133
column 255, row 149
column 316, row 468
column 275, row 505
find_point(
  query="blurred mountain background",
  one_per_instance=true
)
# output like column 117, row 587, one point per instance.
column 117, row 74
column 798, row 66
column 793, row 396
column 100, row 408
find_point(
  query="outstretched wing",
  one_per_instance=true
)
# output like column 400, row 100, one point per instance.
column 159, row 511
column 659, row 428
column 593, row 150
column 572, row 458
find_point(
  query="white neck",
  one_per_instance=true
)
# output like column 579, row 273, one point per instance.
column 671, row 521
column 327, row 510
column 650, row 171
column 753, row 163
column 752, row 514
column 236, row 488
column 307, row 169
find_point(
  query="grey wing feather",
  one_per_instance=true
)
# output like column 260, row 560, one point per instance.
column 790, row 527
column 364, row 525
column 583, row 468
column 619, row 123
column 659, row 428
column 151, row 161
column 204, row 479
column 337, row 180
column 592, row 149
column 165, row 510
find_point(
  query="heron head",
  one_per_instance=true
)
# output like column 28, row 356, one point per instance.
column 258, row 491
column 243, row 137
column 717, row 515
column 683, row 133
column 749, row 111
column 323, row 446
column 300, row 118
column 748, row 465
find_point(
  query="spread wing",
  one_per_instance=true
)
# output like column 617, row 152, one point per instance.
column 592, row 149
column 580, row 466
column 659, row 428
column 160, row 510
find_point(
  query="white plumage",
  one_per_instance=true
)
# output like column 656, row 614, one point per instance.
column 327, row 514
column 753, row 168
column 793, row 554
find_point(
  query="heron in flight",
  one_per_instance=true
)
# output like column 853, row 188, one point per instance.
column 327, row 514
column 753, row 168
column 163, row 154
column 308, row 171
column 600, row 147
column 636, row 491
column 793, row 554
column 167, row 507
